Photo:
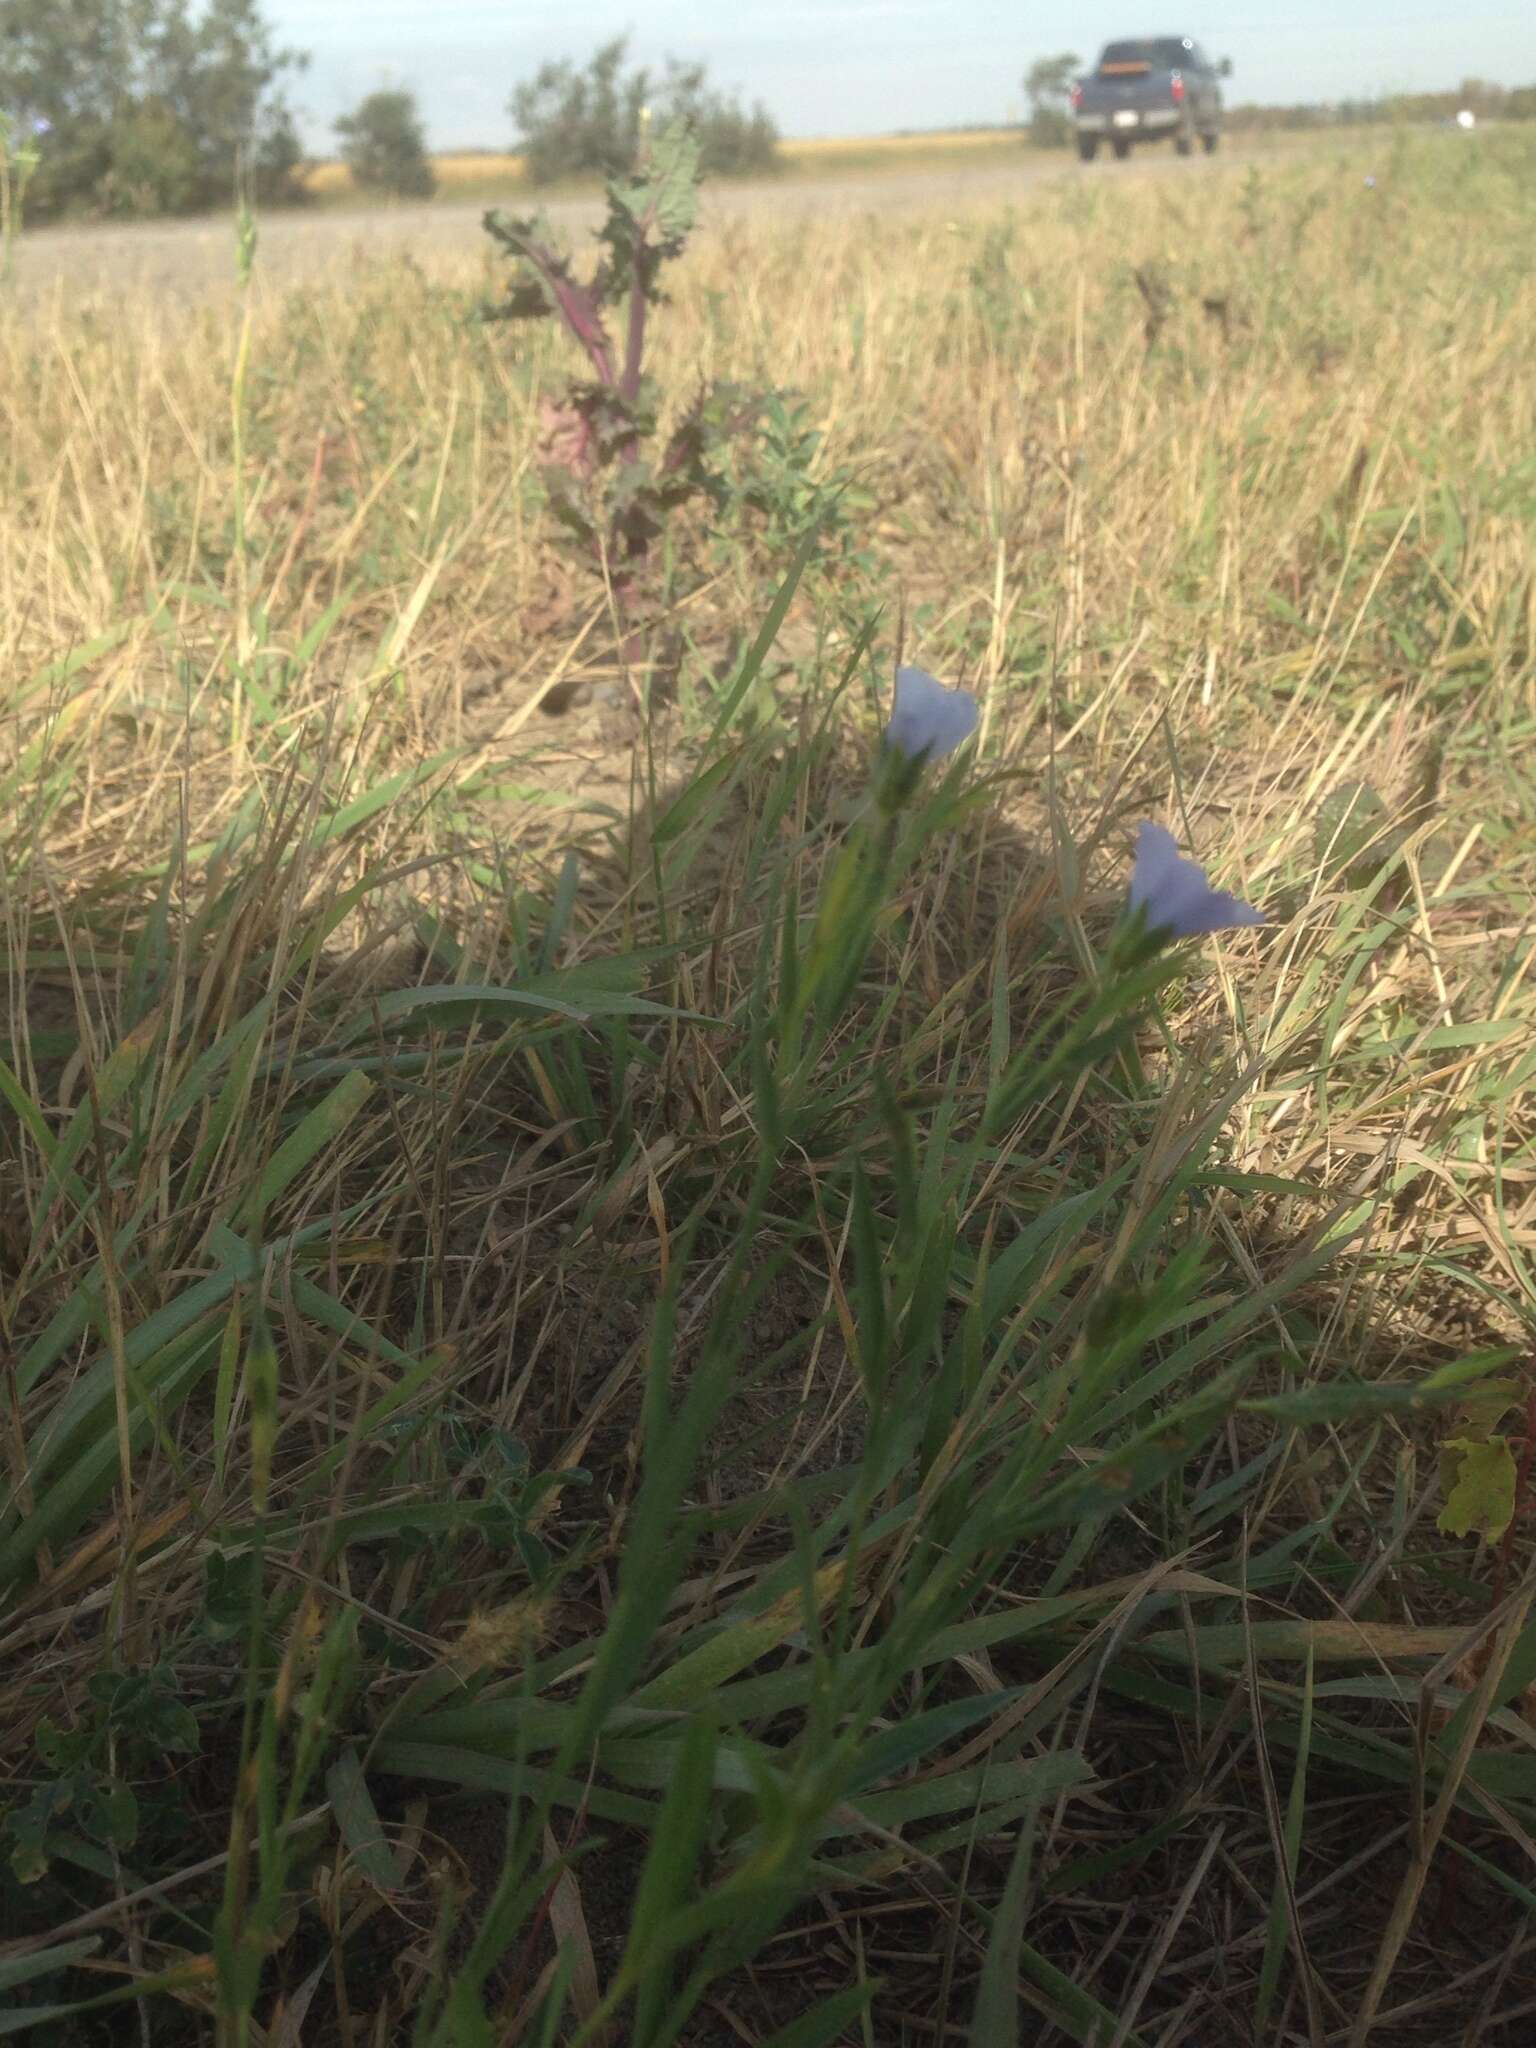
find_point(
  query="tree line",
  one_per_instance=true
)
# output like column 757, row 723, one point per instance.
column 143, row 106
column 572, row 121
column 140, row 107
column 1478, row 96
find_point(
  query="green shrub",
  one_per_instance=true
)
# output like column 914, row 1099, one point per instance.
column 150, row 107
column 153, row 164
column 1047, row 86
column 384, row 148
column 732, row 141
column 574, row 122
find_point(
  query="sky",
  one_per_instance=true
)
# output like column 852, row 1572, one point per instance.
column 867, row 67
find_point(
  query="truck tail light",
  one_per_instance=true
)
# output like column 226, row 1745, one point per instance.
column 1077, row 97
column 1178, row 90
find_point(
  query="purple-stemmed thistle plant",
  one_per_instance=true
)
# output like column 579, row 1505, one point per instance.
column 609, row 482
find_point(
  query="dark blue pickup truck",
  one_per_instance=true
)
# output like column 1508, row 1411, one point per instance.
column 1147, row 90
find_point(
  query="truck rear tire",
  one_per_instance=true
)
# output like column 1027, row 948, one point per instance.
column 1210, row 142
column 1121, row 147
column 1087, row 147
column 1184, row 144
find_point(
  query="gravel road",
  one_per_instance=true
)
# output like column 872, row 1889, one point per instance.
column 188, row 259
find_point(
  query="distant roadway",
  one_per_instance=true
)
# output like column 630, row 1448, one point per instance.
column 186, row 258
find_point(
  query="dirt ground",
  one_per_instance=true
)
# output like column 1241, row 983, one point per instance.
column 191, row 257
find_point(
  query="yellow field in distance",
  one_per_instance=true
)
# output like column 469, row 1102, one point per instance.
column 457, row 169
column 899, row 145
column 462, row 167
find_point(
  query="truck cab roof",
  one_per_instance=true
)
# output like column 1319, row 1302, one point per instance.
column 1151, row 53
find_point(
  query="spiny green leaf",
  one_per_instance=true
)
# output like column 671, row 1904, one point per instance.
column 1487, row 1405
column 665, row 196
column 1481, row 1497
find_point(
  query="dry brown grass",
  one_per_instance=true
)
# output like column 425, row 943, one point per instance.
column 1217, row 493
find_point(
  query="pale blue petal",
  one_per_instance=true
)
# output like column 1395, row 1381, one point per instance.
column 1157, row 863
column 1217, row 913
column 928, row 721
column 1174, row 893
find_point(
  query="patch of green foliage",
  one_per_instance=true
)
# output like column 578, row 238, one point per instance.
column 1046, row 86
column 384, row 147
column 762, row 1359
column 152, row 106
column 575, row 121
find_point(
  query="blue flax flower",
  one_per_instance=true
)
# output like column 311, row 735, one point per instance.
column 928, row 721
column 1174, row 893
